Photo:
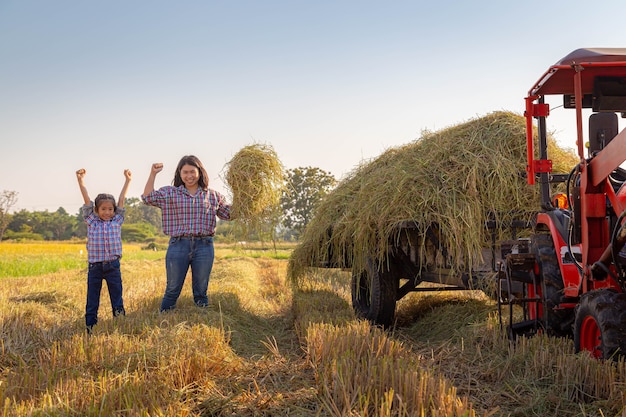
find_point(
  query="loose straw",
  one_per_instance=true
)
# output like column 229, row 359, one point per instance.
column 255, row 176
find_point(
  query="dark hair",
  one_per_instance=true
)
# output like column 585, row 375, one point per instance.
column 100, row 198
column 203, row 181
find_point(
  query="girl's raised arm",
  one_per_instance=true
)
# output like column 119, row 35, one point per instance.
column 80, row 175
column 128, row 175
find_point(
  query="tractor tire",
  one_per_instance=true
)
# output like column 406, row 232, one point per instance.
column 557, row 322
column 374, row 294
column 600, row 326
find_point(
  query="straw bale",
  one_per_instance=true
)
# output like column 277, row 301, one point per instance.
column 256, row 178
column 453, row 179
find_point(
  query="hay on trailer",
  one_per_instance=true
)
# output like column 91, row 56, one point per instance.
column 256, row 178
column 454, row 179
column 563, row 159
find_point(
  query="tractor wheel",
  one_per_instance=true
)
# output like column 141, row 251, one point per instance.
column 600, row 326
column 558, row 323
column 374, row 293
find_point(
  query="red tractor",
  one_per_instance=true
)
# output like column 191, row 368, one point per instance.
column 568, row 276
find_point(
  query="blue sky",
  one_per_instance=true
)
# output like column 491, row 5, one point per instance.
column 109, row 85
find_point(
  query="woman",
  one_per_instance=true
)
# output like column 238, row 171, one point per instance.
column 189, row 210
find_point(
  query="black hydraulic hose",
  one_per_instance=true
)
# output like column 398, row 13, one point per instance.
column 569, row 178
column 618, row 226
column 574, row 170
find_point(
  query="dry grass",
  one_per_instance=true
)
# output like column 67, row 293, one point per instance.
column 363, row 372
column 263, row 348
column 534, row 376
column 256, row 178
column 190, row 362
column 448, row 345
column 453, row 179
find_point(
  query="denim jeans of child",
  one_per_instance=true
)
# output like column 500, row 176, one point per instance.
column 182, row 253
column 110, row 272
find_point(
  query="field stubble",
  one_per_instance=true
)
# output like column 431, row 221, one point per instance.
column 263, row 348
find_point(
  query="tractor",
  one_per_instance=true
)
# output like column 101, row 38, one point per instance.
column 568, row 276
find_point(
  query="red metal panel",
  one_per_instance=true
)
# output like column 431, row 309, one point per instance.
column 558, row 79
column 608, row 159
column 543, row 165
column 618, row 200
column 530, row 152
column 579, row 108
column 541, row 110
column 595, row 205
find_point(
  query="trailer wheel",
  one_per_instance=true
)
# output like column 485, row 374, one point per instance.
column 600, row 326
column 374, row 293
column 558, row 323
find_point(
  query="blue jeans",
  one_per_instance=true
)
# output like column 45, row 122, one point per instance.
column 182, row 253
column 110, row 272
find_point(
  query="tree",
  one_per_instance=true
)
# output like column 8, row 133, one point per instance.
column 138, row 232
column 306, row 187
column 20, row 222
column 60, row 223
column 80, row 228
column 138, row 212
column 7, row 201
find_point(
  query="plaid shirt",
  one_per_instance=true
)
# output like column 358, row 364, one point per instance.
column 186, row 214
column 104, row 238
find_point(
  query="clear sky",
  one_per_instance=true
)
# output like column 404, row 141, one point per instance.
column 115, row 84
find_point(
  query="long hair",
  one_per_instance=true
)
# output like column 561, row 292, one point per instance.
column 203, row 181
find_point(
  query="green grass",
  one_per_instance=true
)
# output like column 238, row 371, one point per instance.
column 31, row 266
column 34, row 259
column 39, row 258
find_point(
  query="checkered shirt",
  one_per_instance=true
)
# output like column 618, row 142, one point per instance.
column 186, row 214
column 104, row 237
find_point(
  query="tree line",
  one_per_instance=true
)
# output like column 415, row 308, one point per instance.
column 305, row 187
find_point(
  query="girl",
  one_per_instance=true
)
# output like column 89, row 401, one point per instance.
column 104, row 248
column 189, row 210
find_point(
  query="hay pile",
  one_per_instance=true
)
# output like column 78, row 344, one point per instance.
column 452, row 178
column 256, row 178
column 563, row 159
